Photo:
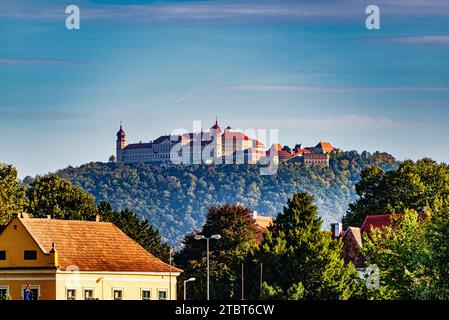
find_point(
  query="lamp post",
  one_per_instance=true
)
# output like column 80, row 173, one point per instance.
column 202, row 237
column 185, row 290
column 243, row 282
column 170, row 260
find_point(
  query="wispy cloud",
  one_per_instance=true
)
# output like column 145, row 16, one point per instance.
column 426, row 39
column 185, row 96
column 32, row 61
column 345, row 122
column 17, row 115
column 216, row 10
column 199, row 10
column 317, row 89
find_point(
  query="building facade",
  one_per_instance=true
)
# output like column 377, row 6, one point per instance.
column 216, row 146
column 79, row 260
column 316, row 159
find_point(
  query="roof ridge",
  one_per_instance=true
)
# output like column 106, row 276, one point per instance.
column 64, row 220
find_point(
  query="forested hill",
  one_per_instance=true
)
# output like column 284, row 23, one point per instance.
column 175, row 198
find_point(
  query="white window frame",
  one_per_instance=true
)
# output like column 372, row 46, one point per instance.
column 4, row 287
column 118, row 289
column 162, row 290
column 67, row 291
column 145, row 289
column 32, row 286
column 90, row 289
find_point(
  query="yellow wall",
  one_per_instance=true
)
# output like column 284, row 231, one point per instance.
column 15, row 240
column 103, row 285
column 16, row 280
column 54, row 285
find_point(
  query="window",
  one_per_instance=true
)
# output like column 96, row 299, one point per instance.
column 71, row 294
column 2, row 255
column 88, row 294
column 33, row 293
column 4, row 291
column 118, row 294
column 162, row 295
column 146, row 294
column 30, row 255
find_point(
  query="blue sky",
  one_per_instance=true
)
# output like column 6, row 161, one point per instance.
column 307, row 68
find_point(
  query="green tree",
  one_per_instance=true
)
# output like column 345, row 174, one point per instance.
column 414, row 186
column 139, row 230
column 238, row 238
column 58, row 198
column 437, row 235
column 51, row 195
column 12, row 193
column 175, row 198
column 300, row 260
column 401, row 251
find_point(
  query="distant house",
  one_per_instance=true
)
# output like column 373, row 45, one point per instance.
column 316, row 159
column 262, row 223
column 318, row 156
column 323, row 147
column 285, row 155
column 79, row 260
column 353, row 237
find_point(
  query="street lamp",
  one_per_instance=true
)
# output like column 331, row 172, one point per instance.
column 185, row 291
column 202, row 237
column 170, row 261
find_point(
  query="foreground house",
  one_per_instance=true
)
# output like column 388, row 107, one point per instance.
column 79, row 260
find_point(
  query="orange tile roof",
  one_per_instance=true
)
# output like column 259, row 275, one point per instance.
column 356, row 232
column 375, row 221
column 229, row 135
column 327, row 146
column 264, row 222
column 93, row 246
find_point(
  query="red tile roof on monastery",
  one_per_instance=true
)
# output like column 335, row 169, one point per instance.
column 138, row 146
column 327, row 146
column 229, row 135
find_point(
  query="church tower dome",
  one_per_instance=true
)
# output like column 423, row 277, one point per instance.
column 215, row 132
column 120, row 143
column 121, row 135
column 216, row 126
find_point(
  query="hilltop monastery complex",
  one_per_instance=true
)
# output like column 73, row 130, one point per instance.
column 216, row 146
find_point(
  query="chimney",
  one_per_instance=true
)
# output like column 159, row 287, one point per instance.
column 49, row 216
column 336, row 229
column 255, row 215
column 54, row 257
column 97, row 218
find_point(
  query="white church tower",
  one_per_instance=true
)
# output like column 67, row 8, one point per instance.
column 216, row 135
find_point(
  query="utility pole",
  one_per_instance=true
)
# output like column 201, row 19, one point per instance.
column 169, row 280
column 208, row 269
column 243, row 282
